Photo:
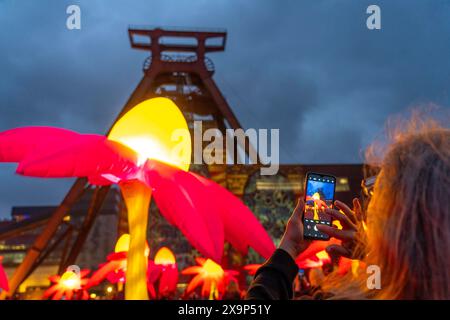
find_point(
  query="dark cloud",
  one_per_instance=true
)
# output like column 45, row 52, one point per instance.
column 310, row 68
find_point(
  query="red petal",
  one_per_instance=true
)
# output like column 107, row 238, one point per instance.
column 182, row 200
column 102, row 273
column 242, row 228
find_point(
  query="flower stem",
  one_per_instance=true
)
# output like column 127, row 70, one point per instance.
column 137, row 198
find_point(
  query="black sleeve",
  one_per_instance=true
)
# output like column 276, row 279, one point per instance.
column 274, row 279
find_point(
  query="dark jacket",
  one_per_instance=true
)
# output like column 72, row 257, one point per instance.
column 274, row 279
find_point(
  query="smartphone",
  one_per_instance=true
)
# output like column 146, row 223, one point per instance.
column 319, row 195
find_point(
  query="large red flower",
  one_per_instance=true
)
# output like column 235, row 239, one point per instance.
column 205, row 212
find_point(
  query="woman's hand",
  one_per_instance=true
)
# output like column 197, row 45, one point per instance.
column 350, row 235
column 292, row 241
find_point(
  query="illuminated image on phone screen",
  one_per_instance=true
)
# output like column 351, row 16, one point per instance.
column 319, row 196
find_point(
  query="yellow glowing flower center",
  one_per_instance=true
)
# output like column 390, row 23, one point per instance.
column 70, row 280
column 212, row 269
column 123, row 243
column 164, row 257
column 155, row 129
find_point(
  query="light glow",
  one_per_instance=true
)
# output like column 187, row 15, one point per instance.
column 155, row 129
column 212, row 270
column 70, row 280
column 323, row 256
column 68, row 286
column 338, row 224
column 123, row 244
column 316, row 198
column 211, row 277
column 364, row 226
column 164, row 256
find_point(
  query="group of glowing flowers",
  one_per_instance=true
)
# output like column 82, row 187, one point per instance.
column 162, row 276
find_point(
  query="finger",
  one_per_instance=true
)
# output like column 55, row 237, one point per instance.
column 335, row 250
column 336, row 233
column 347, row 211
column 357, row 209
column 345, row 221
column 298, row 211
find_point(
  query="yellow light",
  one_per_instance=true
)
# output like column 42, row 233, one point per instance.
column 155, row 129
column 109, row 289
column 70, row 280
column 212, row 270
column 66, row 219
column 355, row 267
column 164, row 256
column 364, row 226
column 338, row 224
column 93, row 296
column 123, row 244
column 316, row 196
column 322, row 255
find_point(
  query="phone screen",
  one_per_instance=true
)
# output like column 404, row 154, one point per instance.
column 319, row 195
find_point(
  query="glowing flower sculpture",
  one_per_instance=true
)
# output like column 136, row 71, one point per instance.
column 69, row 286
column 163, row 270
column 3, row 278
column 211, row 276
column 168, row 272
column 147, row 152
column 114, row 269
